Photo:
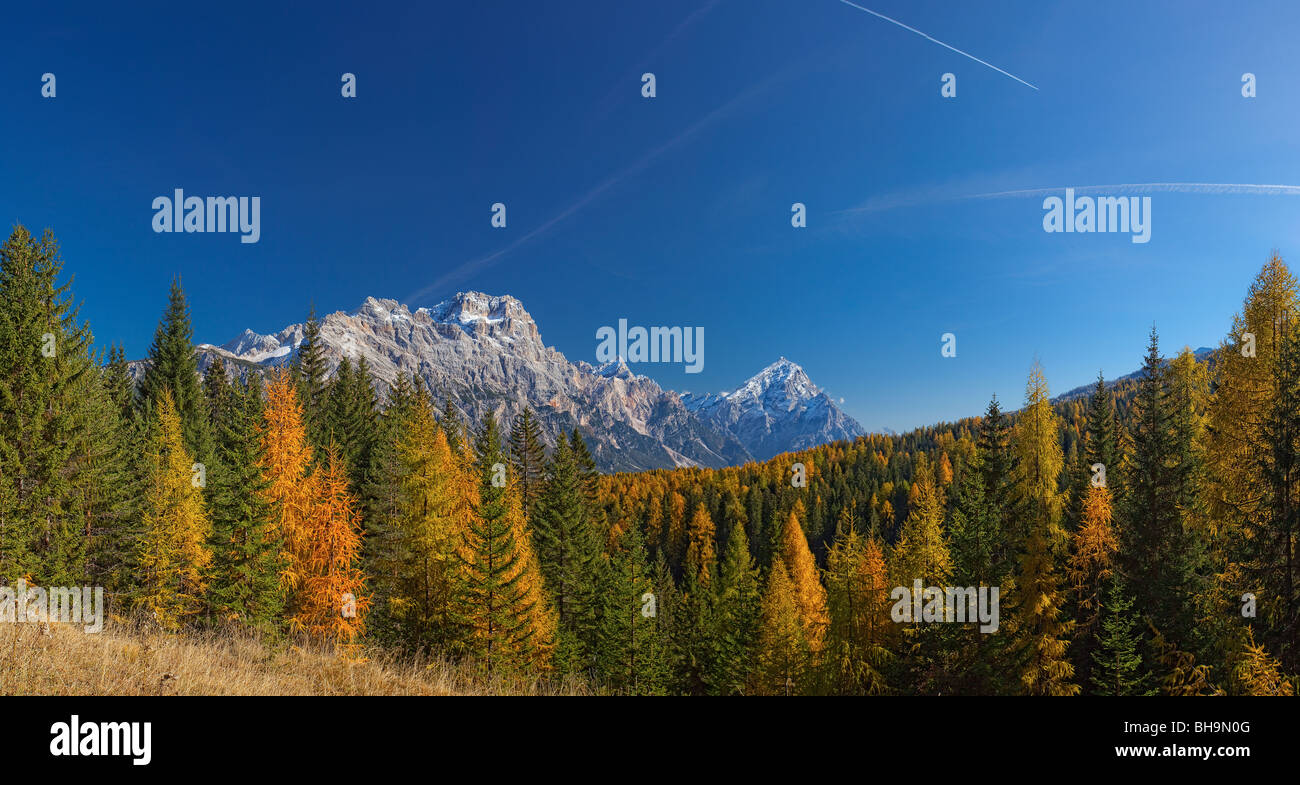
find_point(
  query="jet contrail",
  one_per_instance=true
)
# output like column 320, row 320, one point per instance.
column 1185, row 188
column 877, row 204
column 937, row 41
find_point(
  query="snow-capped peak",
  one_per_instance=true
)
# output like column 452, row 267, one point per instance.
column 783, row 375
column 470, row 308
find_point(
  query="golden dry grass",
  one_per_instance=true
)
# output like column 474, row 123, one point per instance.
column 132, row 659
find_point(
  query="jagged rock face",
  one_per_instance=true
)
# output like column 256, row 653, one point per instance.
column 778, row 410
column 485, row 353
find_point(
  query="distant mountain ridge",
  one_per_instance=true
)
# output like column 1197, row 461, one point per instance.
column 777, row 410
column 485, row 353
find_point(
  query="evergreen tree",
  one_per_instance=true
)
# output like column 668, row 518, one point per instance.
column 528, row 458
column 631, row 657
column 1102, row 441
column 59, row 438
column 587, row 470
column 309, row 368
column 505, row 605
column 569, row 552
column 452, row 425
column 384, row 506
column 244, row 583
column 1119, row 669
column 736, row 616
column 1156, row 550
column 350, row 418
column 172, row 367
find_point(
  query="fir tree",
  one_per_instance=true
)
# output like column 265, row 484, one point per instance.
column 244, row 583
column 569, row 552
column 528, row 458
column 309, row 368
column 1157, row 554
column 630, row 656
column 1119, row 669
column 350, row 418
column 172, row 367
column 59, row 437
column 736, row 616
column 505, row 606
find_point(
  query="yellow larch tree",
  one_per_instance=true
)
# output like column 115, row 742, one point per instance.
column 173, row 556
column 801, row 570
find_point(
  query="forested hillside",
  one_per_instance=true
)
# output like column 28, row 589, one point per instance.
column 1143, row 538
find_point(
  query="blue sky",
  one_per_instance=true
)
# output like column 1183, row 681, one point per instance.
column 674, row 210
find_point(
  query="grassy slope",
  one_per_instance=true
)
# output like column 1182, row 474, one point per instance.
column 133, row 660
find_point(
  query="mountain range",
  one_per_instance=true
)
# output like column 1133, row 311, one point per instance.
column 485, row 353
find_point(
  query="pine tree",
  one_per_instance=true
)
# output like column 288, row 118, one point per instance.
column 1102, row 444
column 57, row 429
column 244, row 584
column 1158, row 554
column 172, row 367
column 1119, row 669
column 736, row 616
column 350, row 418
column 995, row 456
column 113, row 529
column 511, row 622
column 587, row 470
column 528, row 458
column 452, row 425
column 173, row 557
column 383, row 499
column 309, row 367
column 631, row 657
column 569, row 552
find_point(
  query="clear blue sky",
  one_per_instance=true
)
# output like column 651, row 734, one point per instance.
column 676, row 210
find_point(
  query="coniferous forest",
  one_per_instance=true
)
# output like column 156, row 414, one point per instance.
column 1143, row 537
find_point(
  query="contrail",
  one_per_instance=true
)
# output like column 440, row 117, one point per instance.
column 878, row 204
column 940, row 43
column 467, row 269
column 1185, row 188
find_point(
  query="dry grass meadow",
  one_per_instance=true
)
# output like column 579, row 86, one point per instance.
column 132, row 659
